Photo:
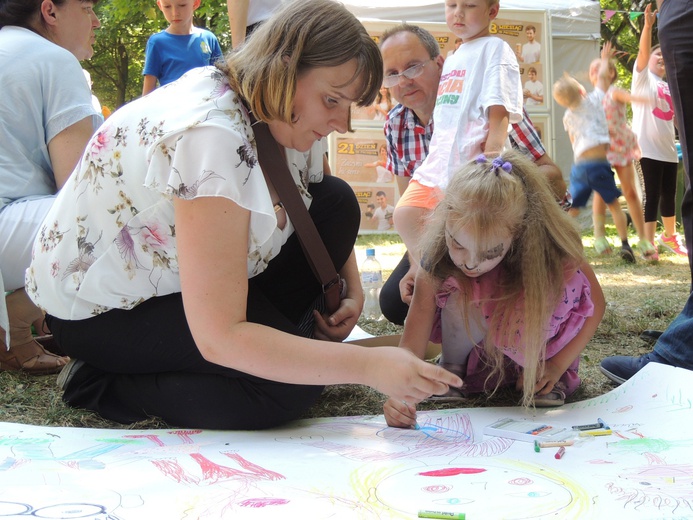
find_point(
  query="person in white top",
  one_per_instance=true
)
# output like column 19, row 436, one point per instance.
column 653, row 123
column 533, row 91
column 383, row 213
column 46, row 120
column 246, row 15
column 169, row 241
column 531, row 51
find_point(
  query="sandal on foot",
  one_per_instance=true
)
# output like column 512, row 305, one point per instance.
column 31, row 358
column 602, row 246
column 648, row 251
column 453, row 395
column 556, row 397
column 48, row 342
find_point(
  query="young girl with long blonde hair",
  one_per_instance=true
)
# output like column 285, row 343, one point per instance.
column 504, row 286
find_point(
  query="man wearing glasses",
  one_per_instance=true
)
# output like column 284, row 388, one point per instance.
column 413, row 66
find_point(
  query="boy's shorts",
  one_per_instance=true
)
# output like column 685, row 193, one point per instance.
column 419, row 196
column 588, row 176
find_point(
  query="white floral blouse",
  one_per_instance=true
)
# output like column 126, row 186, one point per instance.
column 109, row 240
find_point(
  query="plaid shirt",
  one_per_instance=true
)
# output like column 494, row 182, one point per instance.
column 408, row 140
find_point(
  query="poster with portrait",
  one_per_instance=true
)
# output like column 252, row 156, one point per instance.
column 377, row 204
column 527, row 34
column 360, row 158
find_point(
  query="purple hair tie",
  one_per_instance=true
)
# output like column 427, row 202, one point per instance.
column 498, row 162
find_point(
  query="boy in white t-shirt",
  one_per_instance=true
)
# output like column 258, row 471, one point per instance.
column 479, row 94
column 585, row 122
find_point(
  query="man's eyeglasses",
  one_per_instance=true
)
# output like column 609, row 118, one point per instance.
column 412, row 72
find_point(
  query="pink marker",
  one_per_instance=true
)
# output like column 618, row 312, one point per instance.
column 561, row 451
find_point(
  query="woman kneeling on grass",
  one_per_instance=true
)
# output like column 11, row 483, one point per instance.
column 164, row 269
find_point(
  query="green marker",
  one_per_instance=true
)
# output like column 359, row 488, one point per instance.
column 441, row 514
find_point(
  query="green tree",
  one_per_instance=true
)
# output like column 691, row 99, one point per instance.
column 116, row 67
column 623, row 30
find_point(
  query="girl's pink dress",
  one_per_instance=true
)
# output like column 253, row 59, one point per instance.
column 624, row 147
column 567, row 320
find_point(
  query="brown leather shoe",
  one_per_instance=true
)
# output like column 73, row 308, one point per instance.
column 31, row 358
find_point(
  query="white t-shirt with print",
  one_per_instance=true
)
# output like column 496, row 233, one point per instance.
column 109, row 239
column 482, row 74
column 653, row 122
column 531, row 52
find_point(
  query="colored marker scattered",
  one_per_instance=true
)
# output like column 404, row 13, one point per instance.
column 594, row 426
column 595, row 433
column 554, row 444
column 442, row 515
column 559, row 454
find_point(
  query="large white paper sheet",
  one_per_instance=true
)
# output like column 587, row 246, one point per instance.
column 356, row 467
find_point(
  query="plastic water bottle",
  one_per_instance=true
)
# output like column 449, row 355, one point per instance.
column 372, row 281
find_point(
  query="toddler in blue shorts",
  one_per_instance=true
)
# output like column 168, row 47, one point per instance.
column 585, row 122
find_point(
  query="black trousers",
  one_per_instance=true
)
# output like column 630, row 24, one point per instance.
column 143, row 362
column 391, row 304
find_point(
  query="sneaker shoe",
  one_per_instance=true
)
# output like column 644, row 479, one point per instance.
column 602, row 246
column 68, row 372
column 648, row 251
column 626, row 253
column 673, row 244
column 621, row 368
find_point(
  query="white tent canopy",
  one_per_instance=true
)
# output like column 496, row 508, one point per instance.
column 575, row 30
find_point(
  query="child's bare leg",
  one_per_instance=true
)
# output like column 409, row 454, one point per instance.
column 626, row 175
column 601, row 244
column 598, row 215
column 669, row 224
column 619, row 218
column 621, row 224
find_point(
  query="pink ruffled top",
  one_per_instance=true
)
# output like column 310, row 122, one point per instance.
column 567, row 320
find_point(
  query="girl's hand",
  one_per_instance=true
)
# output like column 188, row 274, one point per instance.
column 607, row 51
column 339, row 325
column 399, row 414
column 551, row 376
column 398, row 373
column 650, row 17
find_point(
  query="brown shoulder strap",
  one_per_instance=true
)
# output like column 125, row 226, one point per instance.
column 272, row 161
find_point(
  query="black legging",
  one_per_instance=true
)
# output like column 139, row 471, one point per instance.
column 660, row 188
column 391, row 304
column 143, row 362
